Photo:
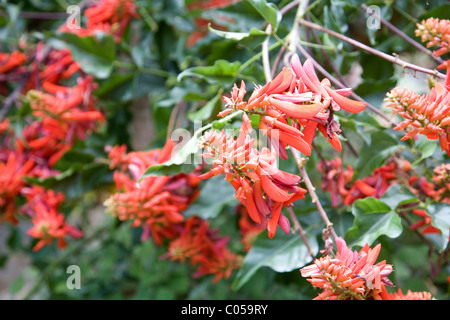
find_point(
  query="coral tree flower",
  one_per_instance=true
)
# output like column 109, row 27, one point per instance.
column 293, row 106
column 157, row 204
column 261, row 187
column 435, row 32
column 48, row 223
column 109, row 16
column 349, row 274
column 427, row 114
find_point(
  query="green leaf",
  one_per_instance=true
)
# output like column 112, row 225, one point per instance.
column 95, row 54
column 205, row 112
column 252, row 38
column 440, row 214
column 17, row 285
column 375, row 155
column 397, row 195
column 268, row 11
column 373, row 218
column 222, row 71
column 185, row 156
column 283, row 253
column 181, row 161
column 215, row 194
column 426, row 148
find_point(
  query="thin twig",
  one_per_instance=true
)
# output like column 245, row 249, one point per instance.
column 265, row 54
column 393, row 59
column 401, row 34
column 341, row 85
column 298, row 227
column 13, row 97
column 312, row 192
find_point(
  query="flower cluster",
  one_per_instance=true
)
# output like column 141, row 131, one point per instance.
column 435, row 32
column 156, row 203
column 35, row 65
column 354, row 275
column 437, row 189
column 48, row 223
column 427, row 114
column 294, row 105
column 204, row 249
column 60, row 116
column 291, row 108
column 339, row 181
column 349, row 274
column 65, row 115
column 260, row 186
column 108, row 16
column 201, row 24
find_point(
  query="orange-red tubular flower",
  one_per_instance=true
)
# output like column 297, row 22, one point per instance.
column 261, row 187
column 293, row 105
column 350, row 274
column 309, row 77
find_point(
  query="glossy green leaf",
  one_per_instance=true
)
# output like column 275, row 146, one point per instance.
column 374, row 155
column 268, row 11
column 440, row 214
column 282, row 253
column 222, row 71
column 216, row 193
column 373, row 218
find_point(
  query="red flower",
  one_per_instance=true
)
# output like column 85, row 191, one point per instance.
column 350, row 275
column 13, row 169
column 203, row 249
column 157, row 202
column 410, row 295
column 293, row 105
column 48, row 223
column 109, row 16
column 261, row 187
column 435, row 32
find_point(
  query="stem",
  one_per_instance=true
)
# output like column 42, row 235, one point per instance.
column 402, row 35
column 9, row 101
column 265, row 54
column 301, row 231
column 393, row 59
column 312, row 192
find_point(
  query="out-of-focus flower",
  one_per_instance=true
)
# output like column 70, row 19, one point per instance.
column 48, row 223
column 339, row 181
column 13, row 169
column 66, row 114
column 410, row 295
column 201, row 246
column 293, row 106
column 201, row 24
column 109, row 16
column 260, row 186
column 350, row 275
column 435, row 32
column 157, row 202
